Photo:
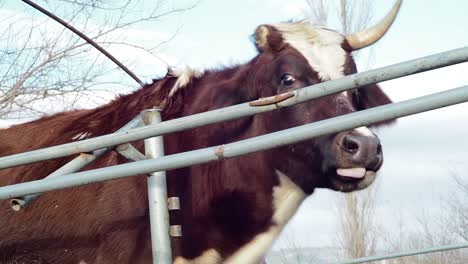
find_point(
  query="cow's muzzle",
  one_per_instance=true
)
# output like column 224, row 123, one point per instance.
column 358, row 156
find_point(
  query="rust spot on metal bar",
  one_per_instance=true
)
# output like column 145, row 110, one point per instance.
column 219, row 151
column 272, row 99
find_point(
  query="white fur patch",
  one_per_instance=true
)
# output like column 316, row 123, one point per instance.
column 210, row 256
column 364, row 131
column 321, row 48
column 287, row 197
column 184, row 78
column 81, row 136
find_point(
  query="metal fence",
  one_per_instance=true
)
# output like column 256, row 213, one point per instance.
column 149, row 127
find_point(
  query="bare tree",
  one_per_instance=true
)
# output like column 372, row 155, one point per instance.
column 317, row 12
column 355, row 15
column 431, row 231
column 357, row 224
column 351, row 15
column 445, row 226
column 44, row 67
column 345, row 16
column 457, row 205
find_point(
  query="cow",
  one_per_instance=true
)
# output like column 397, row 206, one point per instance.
column 231, row 210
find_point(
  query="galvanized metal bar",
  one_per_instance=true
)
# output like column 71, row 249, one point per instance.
column 157, row 195
column 272, row 140
column 242, row 110
column 72, row 166
column 406, row 254
column 130, row 152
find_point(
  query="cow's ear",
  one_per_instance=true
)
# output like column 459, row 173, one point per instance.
column 268, row 38
column 372, row 96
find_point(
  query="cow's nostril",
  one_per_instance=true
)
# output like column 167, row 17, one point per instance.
column 350, row 145
column 379, row 150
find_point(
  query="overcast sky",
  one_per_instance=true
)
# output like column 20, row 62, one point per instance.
column 419, row 151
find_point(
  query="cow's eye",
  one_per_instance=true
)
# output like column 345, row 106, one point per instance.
column 287, row 79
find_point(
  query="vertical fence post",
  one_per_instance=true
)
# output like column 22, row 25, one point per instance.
column 157, row 196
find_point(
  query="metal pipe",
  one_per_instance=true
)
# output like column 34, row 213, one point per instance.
column 272, row 140
column 72, row 166
column 130, row 152
column 406, row 254
column 242, row 110
column 157, row 195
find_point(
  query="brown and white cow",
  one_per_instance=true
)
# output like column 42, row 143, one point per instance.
column 232, row 210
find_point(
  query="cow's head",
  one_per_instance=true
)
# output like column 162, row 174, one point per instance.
column 295, row 55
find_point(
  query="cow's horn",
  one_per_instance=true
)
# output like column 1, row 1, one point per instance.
column 371, row 35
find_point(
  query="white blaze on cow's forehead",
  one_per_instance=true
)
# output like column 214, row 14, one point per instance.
column 364, row 131
column 321, row 47
column 184, row 77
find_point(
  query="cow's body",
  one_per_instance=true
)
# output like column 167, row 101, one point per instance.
column 232, row 210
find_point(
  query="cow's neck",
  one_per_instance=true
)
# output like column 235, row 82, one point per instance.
column 231, row 208
column 287, row 198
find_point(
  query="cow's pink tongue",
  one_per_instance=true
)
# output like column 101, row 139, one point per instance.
column 353, row 172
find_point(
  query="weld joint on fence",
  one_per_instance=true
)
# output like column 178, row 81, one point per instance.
column 219, row 152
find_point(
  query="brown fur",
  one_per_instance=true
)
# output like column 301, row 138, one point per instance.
column 224, row 204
